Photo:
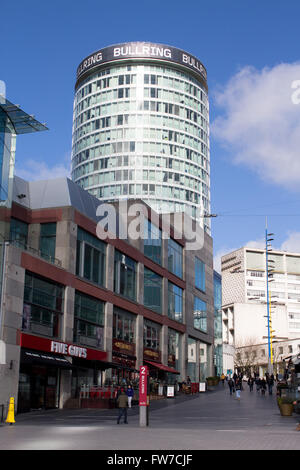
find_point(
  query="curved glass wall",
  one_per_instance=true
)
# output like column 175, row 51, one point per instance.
column 142, row 131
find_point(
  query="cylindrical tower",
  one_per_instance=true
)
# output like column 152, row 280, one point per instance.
column 141, row 128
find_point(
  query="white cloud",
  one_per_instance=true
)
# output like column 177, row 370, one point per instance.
column 291, row 244
column 33, row 170
column 260, row 122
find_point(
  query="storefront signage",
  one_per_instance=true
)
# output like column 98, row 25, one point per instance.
column 143, row 386
column 151, row 354
column 68, row 349
column 57, row 347
column 170, row 391
column 122, row 346
column 145, row 50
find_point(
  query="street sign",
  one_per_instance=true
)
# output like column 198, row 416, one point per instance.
column 143, row 386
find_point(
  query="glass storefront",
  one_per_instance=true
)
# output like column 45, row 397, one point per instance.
column 38, row 388
column 174, row 353
column 192, row 359
column 205, row 351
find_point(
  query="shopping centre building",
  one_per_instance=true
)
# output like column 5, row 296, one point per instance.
column 141, row 128
column 79, row 309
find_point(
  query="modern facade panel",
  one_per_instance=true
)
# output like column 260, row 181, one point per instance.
column 141, row 128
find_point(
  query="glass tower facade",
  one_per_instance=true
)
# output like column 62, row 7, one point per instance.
column 141, row 128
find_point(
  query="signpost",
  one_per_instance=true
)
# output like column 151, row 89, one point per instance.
column 143, row 396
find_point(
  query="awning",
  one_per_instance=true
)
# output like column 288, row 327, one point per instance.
column 160, row 366
column 34, row 357
column 22, row 122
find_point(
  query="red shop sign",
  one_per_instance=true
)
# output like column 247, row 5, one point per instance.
column 58, row 347
column 143, row 385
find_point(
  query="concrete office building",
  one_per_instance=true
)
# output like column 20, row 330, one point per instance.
column 141, row 128
column 244, row 299
column 81, row 311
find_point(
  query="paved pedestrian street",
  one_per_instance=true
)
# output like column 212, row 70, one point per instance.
column 212, row 420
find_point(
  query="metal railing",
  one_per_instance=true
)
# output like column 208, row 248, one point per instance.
column 38, row 253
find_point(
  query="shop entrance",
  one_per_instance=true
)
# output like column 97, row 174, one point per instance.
column 38, row 388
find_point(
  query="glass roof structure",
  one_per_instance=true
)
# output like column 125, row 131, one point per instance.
column 22, row 122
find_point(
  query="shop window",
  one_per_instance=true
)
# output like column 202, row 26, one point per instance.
column 151, row 335
column 199, row 274
column 43, row 306
column 125, row 275
column 18, row 232
column 123, row 325
column 89, row 320
column 175, row 302
column 90, row 257
column 152, row 290
column 200, row 314
column 152, row 242
column 48, row 241
column 175, row 258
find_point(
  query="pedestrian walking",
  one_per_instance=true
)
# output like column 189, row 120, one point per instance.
column 223, row 379
column 231, row 385
column 238, row 390
column 270, row 383
column 250, row 383
column 122, row 404
column 129, row 394
column 241, row 381
column 263, row 386
column 258, row 384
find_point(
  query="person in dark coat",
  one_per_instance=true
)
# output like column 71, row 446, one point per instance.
column 263, row 384
column 250, row 383
column 122, row 404
column 270, row 383
column 231, row 385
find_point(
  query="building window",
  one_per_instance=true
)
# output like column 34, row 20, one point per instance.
column 125, row 275
column 174, row 349
column 43, row 305
column 152, row 290
column 175, row 257
column 88, row 320
column 175, row 302
column 48, row 241
column 151, row 335
column 200, row 314
column 152, row 242
column 18, row 232
column 90, row 257
column 199, row 274
column 123, row 325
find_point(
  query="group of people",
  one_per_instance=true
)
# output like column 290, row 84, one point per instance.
column 263, row 383
column 235, row 384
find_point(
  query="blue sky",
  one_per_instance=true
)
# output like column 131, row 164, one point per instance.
column 249, row 47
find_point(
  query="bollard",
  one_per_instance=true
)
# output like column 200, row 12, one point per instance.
column 11, row 412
